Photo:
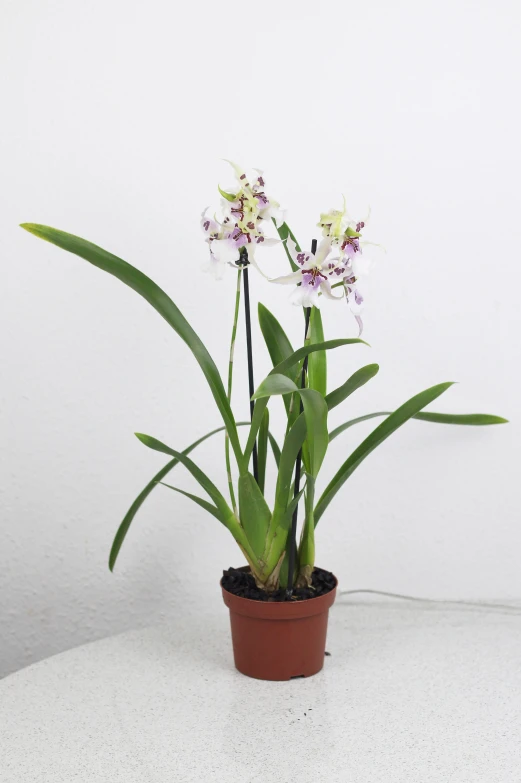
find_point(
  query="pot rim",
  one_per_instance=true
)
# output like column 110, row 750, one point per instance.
column 278, row 610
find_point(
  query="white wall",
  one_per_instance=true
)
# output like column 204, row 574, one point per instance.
column 115, row 118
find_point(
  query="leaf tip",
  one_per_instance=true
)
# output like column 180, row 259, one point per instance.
column 30, row 227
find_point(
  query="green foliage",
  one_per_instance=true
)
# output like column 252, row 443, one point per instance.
column 317, row 367
column 262, row 449
column 155, row 296
column 260, row 531
column 381, row 433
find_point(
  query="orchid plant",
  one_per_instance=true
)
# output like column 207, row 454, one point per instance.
column 266, row 531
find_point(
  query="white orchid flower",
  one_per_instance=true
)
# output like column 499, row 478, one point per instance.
column 250, row 194
column 315, row 276
column 357, row 266
column 245, row 206
column 338, row 225
column 345, row 233
column 322, row 272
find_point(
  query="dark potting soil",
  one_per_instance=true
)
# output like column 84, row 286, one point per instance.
column 242, row 583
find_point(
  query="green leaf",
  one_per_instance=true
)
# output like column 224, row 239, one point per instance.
column 275, row 449
column 470, row 419
column 255, row 513
column 277, row 343
column 386, row 428
column 138, row 502
column 307, row 542
column 196, row 472
column 256, row 421
column 288, row 363
column 317, row 365
column 284, row 232
column 278, row 383
column 211, row 509
column 272, row 384
column 275, row 384
column 338, row 430
column 227, row 196
column 262, row 449
column 284, row 531
column 358, row 379
column 228, row 517
column 292, row 445
column 315, row 413
column 155, row 296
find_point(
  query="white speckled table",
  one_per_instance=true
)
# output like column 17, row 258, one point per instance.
column 411, row 694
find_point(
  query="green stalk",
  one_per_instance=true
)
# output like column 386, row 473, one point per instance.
column 306, row 555
column 229, row 392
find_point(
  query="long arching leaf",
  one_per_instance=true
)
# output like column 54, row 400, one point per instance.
column 276, row 339
column 386, row 428
column 262, row 450
column 211, row 509
column 292, row 445
column 199, row 475
column 281, row 370
column 138, row 502
column 275, row 449
column 315, row 413
column 155, row 296
column 466, row 419
column 228, row 517
column 317, row 366
column 288, row 363
column 277, row 342
column 357, row 379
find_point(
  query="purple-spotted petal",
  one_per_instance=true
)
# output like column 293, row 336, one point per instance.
column 311, row 281
column 302, row 258
column 266, row 241
column 209, row 225
column 355, row 300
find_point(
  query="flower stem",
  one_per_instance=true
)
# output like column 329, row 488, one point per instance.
column 292, row 538
column 229, row 390
column 249, row 350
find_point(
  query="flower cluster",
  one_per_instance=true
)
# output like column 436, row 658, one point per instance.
column 333, row 271
column 240, row 225
column 337, row 264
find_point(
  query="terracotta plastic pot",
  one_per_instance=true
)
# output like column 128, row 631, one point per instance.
column 279, row 640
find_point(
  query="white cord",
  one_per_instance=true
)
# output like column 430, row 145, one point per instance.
column 481, row 605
